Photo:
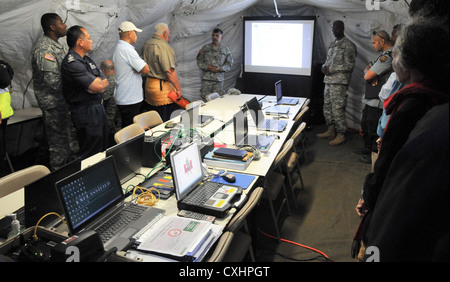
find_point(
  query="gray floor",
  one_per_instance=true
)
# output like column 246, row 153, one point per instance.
column 325, row 218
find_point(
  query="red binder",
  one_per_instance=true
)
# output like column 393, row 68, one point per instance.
column 182, row 102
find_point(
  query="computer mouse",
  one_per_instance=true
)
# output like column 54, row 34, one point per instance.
column 170, row 124
column 230, row 178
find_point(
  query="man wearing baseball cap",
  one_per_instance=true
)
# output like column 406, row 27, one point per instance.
column 129, row 68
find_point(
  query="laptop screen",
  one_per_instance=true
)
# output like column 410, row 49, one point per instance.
column 255, row 110
column 187, row 118
column 278, row 90
column 240, row 124
column 186, row 169
column 41, row 196
column 88, row 193
column 128, row 157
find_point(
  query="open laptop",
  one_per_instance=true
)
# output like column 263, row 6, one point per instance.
column 191, row 118
column 128, row 157
column 279, row 95
column 41, row 196
column 242, row 138
column 93, row 199
column 195, row 194
column 259, row 119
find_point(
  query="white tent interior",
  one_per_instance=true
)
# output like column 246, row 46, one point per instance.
column 191, row 23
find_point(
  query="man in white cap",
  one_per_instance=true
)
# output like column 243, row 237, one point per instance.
column 129, row 68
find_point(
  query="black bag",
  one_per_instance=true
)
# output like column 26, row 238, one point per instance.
column 6, row 74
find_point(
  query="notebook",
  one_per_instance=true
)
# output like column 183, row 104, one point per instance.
column 41, row 196
column 241, row 136
column 260, row 121
column 93, row 199
column 128, row 157
column 195, row 194
column 279, row 95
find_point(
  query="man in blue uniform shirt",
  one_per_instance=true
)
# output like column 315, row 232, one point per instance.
column 83, row 84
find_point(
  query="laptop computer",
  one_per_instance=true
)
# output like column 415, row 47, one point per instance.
column 279, row 95
column 191, row 118
column 93, row 199
column 41, row 196
column 195, row 194
column 259, row 119
column 128, row 157
column 242, row 138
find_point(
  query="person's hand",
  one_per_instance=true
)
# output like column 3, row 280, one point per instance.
column 361, row 208
column 326, row 70
column 379, row 140
column 212, row 68
column 178, row 92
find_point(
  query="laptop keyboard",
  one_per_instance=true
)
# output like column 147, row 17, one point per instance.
column 272, row 125
column 264, row 140
column 116, row 223
column 200, row 195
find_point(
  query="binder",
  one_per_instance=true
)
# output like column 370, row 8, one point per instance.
column 182, row 102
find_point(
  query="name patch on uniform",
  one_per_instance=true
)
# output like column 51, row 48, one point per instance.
column 49, row 57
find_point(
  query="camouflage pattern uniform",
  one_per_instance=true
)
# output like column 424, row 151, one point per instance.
column 112, row 114
column 341, row 61
column 46, row 64
column 216, row 56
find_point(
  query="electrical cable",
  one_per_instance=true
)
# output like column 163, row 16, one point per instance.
column 146, row 197
column 35, row 237
column 297, row 244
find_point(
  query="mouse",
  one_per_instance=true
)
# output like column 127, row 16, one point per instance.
column 230, row 178
column 170, row 124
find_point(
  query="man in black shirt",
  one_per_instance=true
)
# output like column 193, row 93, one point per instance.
column 83, row 84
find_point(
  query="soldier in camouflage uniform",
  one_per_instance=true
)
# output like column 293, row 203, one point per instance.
column 46, row 63
column 112, row 113
column 214, row 60
column 338, row 70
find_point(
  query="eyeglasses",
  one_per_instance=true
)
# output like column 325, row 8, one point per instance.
column 377, row 34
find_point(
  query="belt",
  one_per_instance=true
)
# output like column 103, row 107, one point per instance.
column 161, row 81
column 87, row 103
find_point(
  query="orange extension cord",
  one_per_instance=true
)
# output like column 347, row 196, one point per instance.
column 295, row 243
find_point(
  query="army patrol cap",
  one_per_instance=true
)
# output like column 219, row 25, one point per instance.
column 128, row 26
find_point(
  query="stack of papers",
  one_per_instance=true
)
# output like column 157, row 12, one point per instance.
column 179, row 238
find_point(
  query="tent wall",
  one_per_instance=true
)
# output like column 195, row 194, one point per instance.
column 191, row 23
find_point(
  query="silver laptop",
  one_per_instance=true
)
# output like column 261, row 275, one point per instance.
column 195, row 194
column 259, row 119
column 261, row 142
column 191, row 118
column 279, row 95
column 93, row 199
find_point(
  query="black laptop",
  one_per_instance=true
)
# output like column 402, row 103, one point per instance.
column 195, row 194
column 41, row 196
column 261, row 142
column 259, row 119
column 128, row 157
column 279, row 95
column 93, row 199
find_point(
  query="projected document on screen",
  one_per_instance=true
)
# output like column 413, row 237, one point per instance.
column 278, row 46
